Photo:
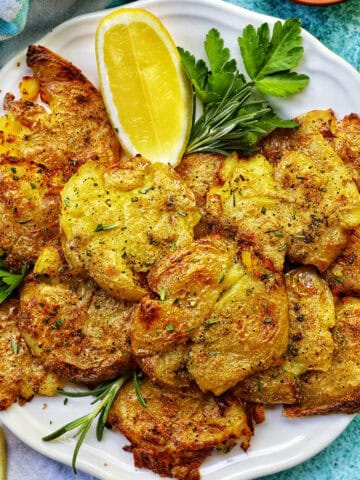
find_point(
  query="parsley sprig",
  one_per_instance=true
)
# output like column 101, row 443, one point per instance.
column 9, row 281
column 235, row 114
column 105, row 394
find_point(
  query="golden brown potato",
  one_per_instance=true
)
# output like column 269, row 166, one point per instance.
column 117, row 222
column 29, row 210
column 73, row 327
column 247, row 204
column 40, row 150
column 311, row 315
column 21, row 375
column 168, row 368
column 178, row 429
column 346, row 140
column 282, row 141
column 321, row 203
column 76, row 130
column 337, row 389
column 247, row 331
column 228, row 313
column 200, row 172
column 188, row 283
column 343, row 276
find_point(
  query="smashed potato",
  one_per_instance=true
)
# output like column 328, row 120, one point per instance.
column 178, row 429
column 75, row 329
column 117, row 222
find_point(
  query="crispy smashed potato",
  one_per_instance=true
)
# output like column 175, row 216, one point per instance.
column 117, row 222
column 39, row 151
column 77, row 128
column 310, row 347
column 74, row 328
column 178, row 429
column 229, row 308
column 246, row 203
column 21, row 375
column 337, row 389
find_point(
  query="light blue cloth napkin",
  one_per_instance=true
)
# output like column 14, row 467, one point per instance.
column 338, row 27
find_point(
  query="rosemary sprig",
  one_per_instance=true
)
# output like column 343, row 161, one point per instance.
column 141, row 399
column 105, row 394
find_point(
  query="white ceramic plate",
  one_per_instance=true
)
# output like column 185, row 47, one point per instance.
column 279, row 443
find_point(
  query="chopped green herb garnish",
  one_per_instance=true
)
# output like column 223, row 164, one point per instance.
column 32, row 185
column 214, row 352
column 134, row 199
column 13, row 169
column 100, row 227
column 263, row 210
column 146, row 190
column 173, row 245
column 181, row 213
column 67, row 201
column 170, row 328
column 162, row 294
column 337, row 279
column 57, row 324
column 268, row 320
column 259, row 385
column 14, row 346
column 211, row 321
column 221, row 278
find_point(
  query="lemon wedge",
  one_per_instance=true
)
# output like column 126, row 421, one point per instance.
column 146, row 92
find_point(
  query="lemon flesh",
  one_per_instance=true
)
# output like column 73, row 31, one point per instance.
column 145, row 89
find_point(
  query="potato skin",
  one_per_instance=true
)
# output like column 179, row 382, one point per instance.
column 74, row 328
column 338, row 389
column 178, row 429
column 21, row 375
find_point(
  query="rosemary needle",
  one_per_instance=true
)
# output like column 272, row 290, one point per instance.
column 105, row 394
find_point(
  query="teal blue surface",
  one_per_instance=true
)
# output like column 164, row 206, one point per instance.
column 338, row 27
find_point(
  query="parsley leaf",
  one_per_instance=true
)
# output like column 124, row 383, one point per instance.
column 210, row 84
column 9, row 281
column 268, row 61
column 234, row 116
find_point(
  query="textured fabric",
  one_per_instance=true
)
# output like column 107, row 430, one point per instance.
column 338, row 27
